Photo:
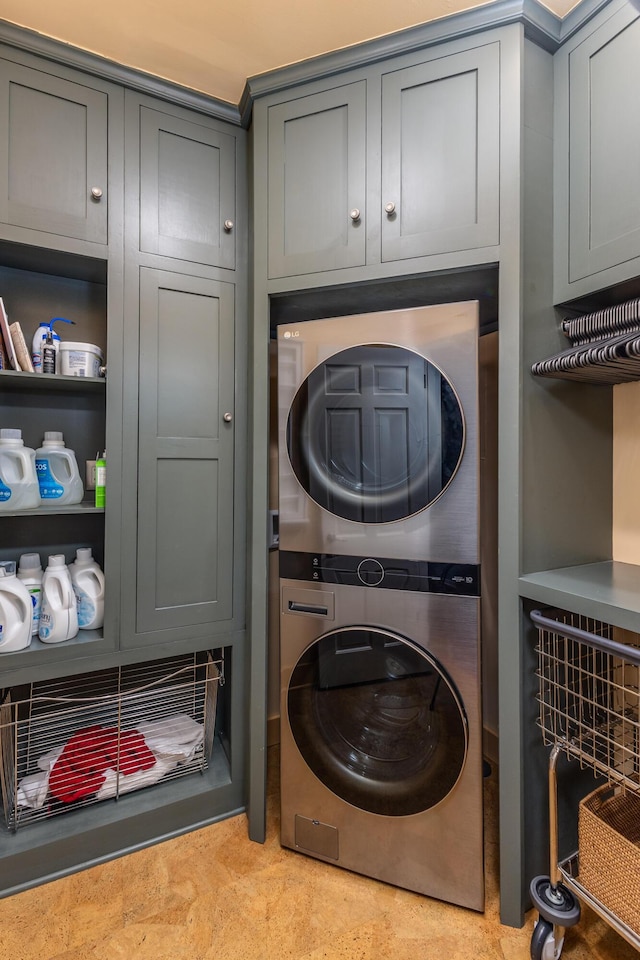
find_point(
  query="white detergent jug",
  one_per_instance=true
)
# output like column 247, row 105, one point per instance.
column 59, row 611
column 15, row 610
column 88, row 585
column 19, row 488
column 57, row 469
column 30, row 573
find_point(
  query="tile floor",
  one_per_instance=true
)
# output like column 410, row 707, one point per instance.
column 215, row 895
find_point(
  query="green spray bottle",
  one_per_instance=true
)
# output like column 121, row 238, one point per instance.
column 101, row 479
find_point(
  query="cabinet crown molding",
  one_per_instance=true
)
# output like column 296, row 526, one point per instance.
column 30, row 41
column 540, row 25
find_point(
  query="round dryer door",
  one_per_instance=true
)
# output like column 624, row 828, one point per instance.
column 378, row 721
column 375, row 433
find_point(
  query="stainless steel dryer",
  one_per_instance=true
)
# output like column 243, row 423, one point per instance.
column 378, row 434
column 381, row 731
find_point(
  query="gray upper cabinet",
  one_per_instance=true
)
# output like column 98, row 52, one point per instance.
column 317, row 175
column 440, row 161
column 597, row 141
column 53, row 162
column 180, row 546
column 187, row 189
column 400, row 163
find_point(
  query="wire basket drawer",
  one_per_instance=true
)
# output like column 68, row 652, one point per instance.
column 71, row 742
column 589, row 693
column 609, row 848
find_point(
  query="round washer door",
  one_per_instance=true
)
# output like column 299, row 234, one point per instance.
column 375, row 433
column 378, row 721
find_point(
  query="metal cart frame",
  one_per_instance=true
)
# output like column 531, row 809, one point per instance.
column 589, row 700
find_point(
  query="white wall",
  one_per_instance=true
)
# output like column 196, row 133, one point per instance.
column 626, row 472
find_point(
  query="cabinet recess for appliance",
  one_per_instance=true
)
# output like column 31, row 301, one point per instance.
column 597, row 142
column 440, row 155
column 187, row 189
column 53, row 164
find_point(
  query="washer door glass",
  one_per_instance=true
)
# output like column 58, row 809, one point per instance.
column 375, row 433
column 377, row 721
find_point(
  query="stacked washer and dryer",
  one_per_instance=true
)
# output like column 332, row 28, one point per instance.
column 381, row 723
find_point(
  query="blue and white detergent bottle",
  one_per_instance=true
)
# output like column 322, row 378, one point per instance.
column 88, row 585
column 15, row 610
column 19, row 488
column 59, row 611
column 57, row 469
column 40, row 337
column 30, row 573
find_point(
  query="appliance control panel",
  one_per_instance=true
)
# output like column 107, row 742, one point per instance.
column 419, row 576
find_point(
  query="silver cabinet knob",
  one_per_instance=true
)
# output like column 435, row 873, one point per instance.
column 390, row 208
column 354, row 214
column 96, row 193
column 227, row 417
column 228, row 225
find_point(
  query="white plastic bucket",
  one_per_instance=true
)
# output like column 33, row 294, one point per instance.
column 79, row 359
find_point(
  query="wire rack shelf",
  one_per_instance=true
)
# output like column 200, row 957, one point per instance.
column 67, row 743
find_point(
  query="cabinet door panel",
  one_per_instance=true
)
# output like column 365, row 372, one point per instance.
column 440, row 155
column 187, row 190
column 604, row 146
column 55, row 153
column 316, row 177
column 185, row 447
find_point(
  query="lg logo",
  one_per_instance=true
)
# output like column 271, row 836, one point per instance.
column 291, row 333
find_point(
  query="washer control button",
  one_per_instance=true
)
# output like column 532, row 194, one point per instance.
column 370, row 572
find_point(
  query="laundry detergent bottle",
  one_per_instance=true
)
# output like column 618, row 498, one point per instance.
column 88, row 585
column 30, row 573
column 15, row 610
column 19, row 488
column 57, row 469
column 59, row 610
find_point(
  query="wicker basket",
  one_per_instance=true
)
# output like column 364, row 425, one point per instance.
column 609, row 841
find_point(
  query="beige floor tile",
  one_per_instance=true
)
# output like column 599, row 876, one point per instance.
column 214, row 895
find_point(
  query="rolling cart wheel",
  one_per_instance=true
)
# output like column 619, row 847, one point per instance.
column 543, row 944
column 554, row 905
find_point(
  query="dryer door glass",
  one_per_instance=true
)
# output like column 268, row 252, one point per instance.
column 375, row 433
column 377, row 721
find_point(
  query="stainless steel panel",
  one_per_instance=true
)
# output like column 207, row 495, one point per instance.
column 319, row 603
column 317, row 838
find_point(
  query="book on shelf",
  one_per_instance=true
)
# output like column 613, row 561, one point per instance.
column 6, row 337
column 20, row 347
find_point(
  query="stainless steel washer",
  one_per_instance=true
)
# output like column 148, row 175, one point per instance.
column 381, row 732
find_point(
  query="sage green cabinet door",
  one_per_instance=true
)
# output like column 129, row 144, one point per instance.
column 53, row 161
column 317, row 182
column 184, row 537
column 440, row 155
column 604, row 147
column 187, row 189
